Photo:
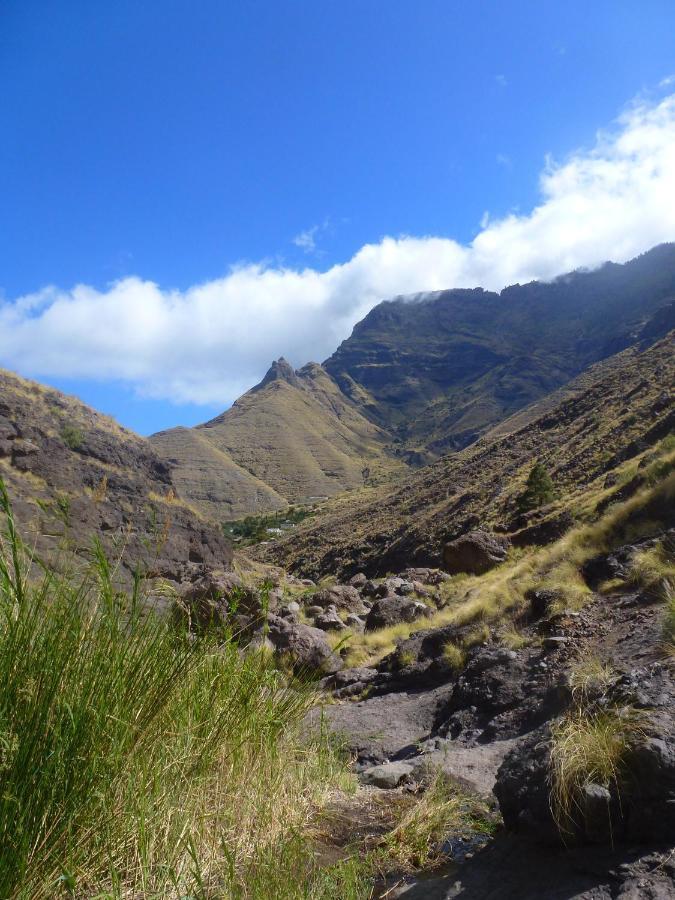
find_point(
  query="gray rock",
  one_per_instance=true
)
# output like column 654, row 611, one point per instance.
column 329, row 620
column 355, row 622
column 475, row 553
column 259, row 643
column 392, row 610
column 307, row 647
column 287, row 613
column 341, row 596
column 541, row 600
column 369, row 589
column 597, row 803
column 555, row 642
column 358, row 580
column 388, row 776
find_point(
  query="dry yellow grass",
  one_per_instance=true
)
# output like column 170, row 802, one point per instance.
column 499, row 594
column 588, row 749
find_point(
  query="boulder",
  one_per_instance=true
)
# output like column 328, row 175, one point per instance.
column 341, row 596
column 541, row 600
column 358, row 580
column 288, row 612
column 349, row 682
column 388, row 776
column 475, row 553
column 639, row 808
column 392, row 610
column 329, row 620
column 437, row 577
column 356, row 623
column 306, row 647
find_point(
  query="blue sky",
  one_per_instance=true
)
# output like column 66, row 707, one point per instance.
column 156, row 145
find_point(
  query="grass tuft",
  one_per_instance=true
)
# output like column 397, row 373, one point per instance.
column 454, row 656
column 588, row 749
column 137, row 762
column 588, row 678
column 444, row 808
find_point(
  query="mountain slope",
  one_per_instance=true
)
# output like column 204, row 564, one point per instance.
column 418, row 377
column 441, row 369
column 291, row 438
column 214, row 482
column 74, row 475
column 610, row 414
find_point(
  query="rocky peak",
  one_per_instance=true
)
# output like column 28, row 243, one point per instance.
column 280, row 370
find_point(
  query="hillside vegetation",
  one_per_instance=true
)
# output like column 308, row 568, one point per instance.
column 292, row 439
column 420, row 376
column 607, row 418
column 74, row 474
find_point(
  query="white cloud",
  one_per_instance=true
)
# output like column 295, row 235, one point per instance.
column 306, row 240
column 211, row 342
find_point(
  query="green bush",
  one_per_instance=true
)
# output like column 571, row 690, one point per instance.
column 72, row 436
column 254, row 529
column 538, row 491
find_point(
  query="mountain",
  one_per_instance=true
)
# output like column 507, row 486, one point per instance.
column 610, row 414
column 419, row 377
column 74, row 475
column 437, row 371
column 292, row 438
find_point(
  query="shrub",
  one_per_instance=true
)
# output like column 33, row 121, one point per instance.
column 72, row 436
column 538, row 491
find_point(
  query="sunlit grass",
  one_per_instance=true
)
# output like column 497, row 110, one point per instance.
column 588, row 749
column 499, row 595
column 137, row 762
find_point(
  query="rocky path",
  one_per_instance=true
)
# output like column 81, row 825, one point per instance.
column 469, row 723
column 393, row 734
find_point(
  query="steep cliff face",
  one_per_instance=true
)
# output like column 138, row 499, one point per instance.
column 74, row 475
column 292, row 438
column 439, row 370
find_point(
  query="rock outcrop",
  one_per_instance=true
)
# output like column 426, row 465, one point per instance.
column 474, row 553
column 74, row 475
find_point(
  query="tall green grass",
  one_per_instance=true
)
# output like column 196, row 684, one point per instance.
column 136, row 761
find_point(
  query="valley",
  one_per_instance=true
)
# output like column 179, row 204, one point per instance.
column 450, row 674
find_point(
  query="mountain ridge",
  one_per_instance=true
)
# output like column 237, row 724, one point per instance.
column 418, row 377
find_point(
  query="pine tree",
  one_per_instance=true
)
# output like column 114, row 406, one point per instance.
column 538, row 491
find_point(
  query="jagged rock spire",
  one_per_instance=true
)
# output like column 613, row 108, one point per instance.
column 280, row 370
